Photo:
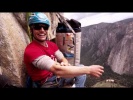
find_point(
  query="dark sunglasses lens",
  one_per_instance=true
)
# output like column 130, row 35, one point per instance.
column 37, row 27
column 45, row 28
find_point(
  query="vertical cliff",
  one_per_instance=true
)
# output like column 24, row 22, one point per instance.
column 13, row 40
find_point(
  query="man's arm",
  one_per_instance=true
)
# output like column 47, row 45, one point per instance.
column 46, row 63
column 61, row 59
column 72, row 71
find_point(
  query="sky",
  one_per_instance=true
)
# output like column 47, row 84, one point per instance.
column 87, row 19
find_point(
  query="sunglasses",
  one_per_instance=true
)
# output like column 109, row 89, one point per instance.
column 38, row 27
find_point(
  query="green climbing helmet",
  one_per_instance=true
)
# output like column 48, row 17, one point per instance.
column 38, row 17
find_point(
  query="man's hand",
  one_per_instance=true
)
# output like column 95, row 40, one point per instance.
column 96, row 70
column 64, row 64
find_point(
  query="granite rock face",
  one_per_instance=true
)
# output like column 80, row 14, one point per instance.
column 109, row 44
column 13, row 40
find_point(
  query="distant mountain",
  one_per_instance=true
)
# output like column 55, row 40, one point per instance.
column 109, row 44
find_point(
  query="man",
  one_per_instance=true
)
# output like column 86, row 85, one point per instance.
column 45, row 63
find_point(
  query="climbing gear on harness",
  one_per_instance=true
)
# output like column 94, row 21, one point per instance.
column 52, row 82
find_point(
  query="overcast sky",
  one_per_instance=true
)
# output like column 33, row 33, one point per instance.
column 94, row 18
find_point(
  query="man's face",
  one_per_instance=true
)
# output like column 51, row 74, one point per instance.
column 40, row 32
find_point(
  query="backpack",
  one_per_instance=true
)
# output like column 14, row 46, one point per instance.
column 68, row 42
